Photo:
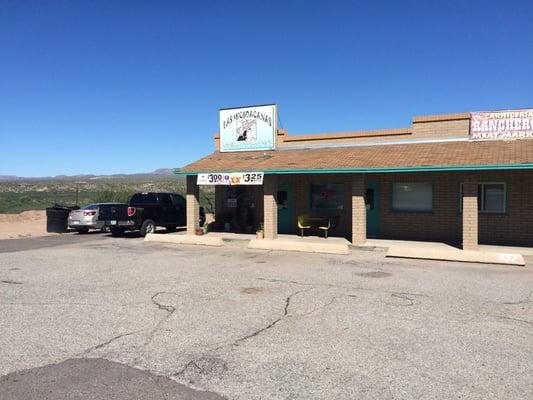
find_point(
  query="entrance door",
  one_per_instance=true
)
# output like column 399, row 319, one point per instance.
column 284, row 200
column 372, row 209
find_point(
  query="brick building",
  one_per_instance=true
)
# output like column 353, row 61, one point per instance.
column 437, row 180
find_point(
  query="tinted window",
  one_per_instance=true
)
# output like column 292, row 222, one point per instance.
column 327, row 199
column 165, row 199
column 412, row 196
column 144, row 198
column 493, row 197
column 90, row 207
column 178, row 200
column 369, row 199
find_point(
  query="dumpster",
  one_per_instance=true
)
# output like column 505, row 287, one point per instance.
column 57, row 218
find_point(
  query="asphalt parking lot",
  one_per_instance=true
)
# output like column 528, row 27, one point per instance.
column 101, row 317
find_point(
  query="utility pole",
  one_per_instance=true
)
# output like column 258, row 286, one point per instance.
column 78, row 192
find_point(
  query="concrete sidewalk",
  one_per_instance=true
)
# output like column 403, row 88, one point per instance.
column 441, row 251
column 309, row 244
column 453, row 254
column 335, row 245
column 386, row 244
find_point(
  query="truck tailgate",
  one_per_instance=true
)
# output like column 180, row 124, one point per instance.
column 113, row 212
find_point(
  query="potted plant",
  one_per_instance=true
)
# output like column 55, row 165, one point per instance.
column 260, row 233
column 199, row 231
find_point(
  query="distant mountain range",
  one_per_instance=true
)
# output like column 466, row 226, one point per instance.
column 158, row 173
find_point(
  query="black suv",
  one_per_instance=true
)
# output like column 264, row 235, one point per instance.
column 145, row 211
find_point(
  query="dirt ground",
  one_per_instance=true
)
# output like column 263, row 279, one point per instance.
column 26, row 224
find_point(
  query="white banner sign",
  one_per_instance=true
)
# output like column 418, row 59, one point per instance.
column 502, row 125
column 248, row 128
column 234, row 178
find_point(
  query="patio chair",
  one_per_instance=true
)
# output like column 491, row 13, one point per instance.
column 329, row 225
column 303, row 223
column 326, row 228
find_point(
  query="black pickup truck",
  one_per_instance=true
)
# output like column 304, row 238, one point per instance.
column 144, row 212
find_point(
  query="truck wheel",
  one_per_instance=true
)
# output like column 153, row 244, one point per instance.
column 148, row 226
column 116, row 231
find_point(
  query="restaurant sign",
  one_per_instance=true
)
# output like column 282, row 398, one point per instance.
column 234, row 178
column 502, row 125
column 248, row 128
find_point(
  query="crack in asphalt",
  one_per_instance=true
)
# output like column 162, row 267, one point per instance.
column 515, row 319
column 403, row 296
column 107, row 342
column 204, row 365
column 10, row 282
column 330, row 302
column 528, row 299
column 195, row 363
column 165, row 307
column 170, row 309
column 273, row 323
column 331, row 285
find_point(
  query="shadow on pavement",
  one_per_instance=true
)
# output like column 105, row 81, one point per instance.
column 94, row 378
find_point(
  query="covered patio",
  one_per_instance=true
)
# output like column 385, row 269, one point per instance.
column 362, row 187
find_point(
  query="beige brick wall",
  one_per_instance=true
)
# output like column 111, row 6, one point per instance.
column 444, row 223
column 322, row 141
column 453, row 128
column 470, row 214
column 193, row 205
column 270, row 187
column 434, row 126
column 358, row 209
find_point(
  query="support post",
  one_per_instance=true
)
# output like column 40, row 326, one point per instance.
column 358, row 210
column 193, row 205
column 470, row 215
column 270, row 206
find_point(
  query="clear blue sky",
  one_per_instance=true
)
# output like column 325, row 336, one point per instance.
column 110, row 86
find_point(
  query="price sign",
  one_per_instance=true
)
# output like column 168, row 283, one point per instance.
column 234, row 178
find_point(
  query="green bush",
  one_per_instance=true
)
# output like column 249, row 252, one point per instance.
column 112, row 196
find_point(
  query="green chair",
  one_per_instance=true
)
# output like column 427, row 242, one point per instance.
column 303, row 223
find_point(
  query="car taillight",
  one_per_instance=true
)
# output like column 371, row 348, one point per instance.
column 89, row 213
column 131, row 211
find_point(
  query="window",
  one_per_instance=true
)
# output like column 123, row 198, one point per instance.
column 369, row 199
column 282, row 199
column 144, row 198
column 491, row 197
column 412, row 196
column 327, row 199
column 178, row 200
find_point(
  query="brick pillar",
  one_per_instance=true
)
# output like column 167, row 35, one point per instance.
column 358, row 209
column 270, row 207
column 193, row 205
column 470, row 215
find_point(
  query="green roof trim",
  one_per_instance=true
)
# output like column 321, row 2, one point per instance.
column 424, row 168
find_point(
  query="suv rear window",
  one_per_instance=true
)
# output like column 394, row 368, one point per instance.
column 144, row 198
column 178, row 200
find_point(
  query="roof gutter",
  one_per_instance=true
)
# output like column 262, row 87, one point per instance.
column 424, row 168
